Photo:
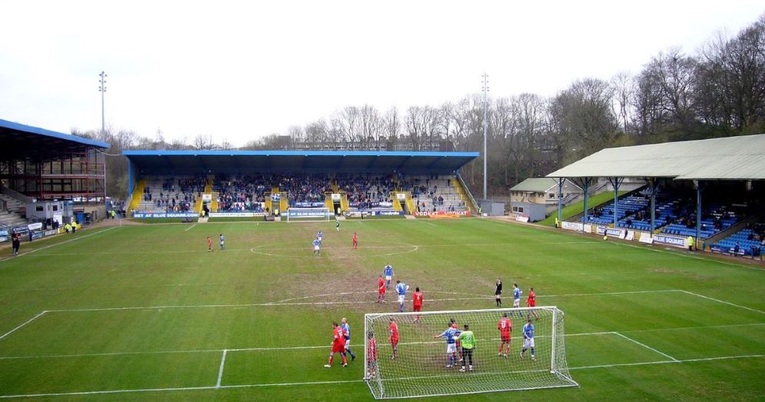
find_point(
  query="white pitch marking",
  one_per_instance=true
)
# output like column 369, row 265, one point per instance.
column 295, row 384
column 190, row 227
column 176, row 389
column 19, row 327
column 723, row 302
column 65, row 241
column 647, row 347
column 220, row 369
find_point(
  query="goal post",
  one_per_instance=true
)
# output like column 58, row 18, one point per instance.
column 297, row 214
column 420, row 367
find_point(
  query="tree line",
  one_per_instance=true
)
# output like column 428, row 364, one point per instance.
column 717, row 91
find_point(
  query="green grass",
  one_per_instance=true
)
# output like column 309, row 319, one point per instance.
column 144, row 312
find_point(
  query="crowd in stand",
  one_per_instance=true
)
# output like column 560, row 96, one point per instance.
column 246, row 193
column 171, row 200
column 249, row 192
column 366, row 192
column 305, row 189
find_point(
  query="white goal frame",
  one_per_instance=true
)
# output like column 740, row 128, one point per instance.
column 297, row 214
column 419, row 371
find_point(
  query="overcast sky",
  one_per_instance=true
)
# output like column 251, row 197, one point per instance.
column 240, row 70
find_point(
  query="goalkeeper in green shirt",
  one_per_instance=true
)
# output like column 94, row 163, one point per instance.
column 468, row 344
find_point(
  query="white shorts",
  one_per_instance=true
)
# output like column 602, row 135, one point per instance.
column 387, row 278
column 316, row 248
column 451, row 348
column 528, row 343
column 401, row 298
column 516, row 303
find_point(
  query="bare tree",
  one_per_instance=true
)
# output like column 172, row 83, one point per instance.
column 582, row 119
column 317, row 134
column 731, row 89
column 415, row 122
column 623, row 90
column 371, row 124
column 665, row 96
column 391, row 128
column 296, row 137
column 347, row 125
column 202, row 141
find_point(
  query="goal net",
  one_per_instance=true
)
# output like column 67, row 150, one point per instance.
column 421, row 365
column 295, row 214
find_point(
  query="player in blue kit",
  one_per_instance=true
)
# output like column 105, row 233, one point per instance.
column 388, row 272
column 401, row 289
column 450, row 334
column 347, row 334
column 528, row 339
column 316, row 247
column 517, row 297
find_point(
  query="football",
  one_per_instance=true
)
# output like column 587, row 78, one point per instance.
column 407, row 287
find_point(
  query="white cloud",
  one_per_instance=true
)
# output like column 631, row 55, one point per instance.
column 239, row 70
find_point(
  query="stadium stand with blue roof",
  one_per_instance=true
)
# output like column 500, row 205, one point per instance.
column 262, row 181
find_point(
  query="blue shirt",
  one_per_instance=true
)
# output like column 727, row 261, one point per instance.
column 517, row 293
column 388, row 270
column 346, row 331
column 449, row 334
column 401, row 289
column 316, row 243
column 528, row 331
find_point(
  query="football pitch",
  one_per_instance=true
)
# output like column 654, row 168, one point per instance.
column 145, row 312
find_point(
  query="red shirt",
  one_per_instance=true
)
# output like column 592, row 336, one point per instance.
column 505, row 326
column 532, row 299
column 372, row 350
column 338, row 334
column 380, row 285
column 417, row 299
column 393, row 331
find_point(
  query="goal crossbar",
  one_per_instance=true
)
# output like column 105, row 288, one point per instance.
column 424, row 366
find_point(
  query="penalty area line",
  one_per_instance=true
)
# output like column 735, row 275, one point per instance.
column 723, row 302
column 22, row 325
column 176, row 389
column 220, row 369
column 703, row 359
column 646, row 346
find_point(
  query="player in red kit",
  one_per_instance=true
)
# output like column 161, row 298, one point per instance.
column 371, row 356
column 209, row 244
column 380, row 289
column 393, row 328
column 355, row 241
column 338, row 345
column 505, row 327
column 531, row 301
column 417, row 299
